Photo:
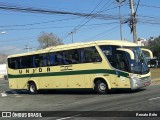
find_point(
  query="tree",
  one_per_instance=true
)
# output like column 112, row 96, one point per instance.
column 3, row 58
column 154, row 46
column 48, row 39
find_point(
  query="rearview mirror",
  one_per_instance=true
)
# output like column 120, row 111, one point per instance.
column 128, row 51
column 149, row 51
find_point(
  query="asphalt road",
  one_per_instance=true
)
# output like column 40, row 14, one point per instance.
column 147, row 99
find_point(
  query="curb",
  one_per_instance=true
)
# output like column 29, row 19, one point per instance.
column 155, row 81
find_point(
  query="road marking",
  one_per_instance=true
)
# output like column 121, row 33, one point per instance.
column 154, row 98
column 3, row 94
column 68, row 117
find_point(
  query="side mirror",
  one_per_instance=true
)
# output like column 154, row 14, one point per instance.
column 128, row 51
column 149, row 51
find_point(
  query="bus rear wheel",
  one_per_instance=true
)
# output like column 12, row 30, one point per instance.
column 32, row 88
column 101, row 87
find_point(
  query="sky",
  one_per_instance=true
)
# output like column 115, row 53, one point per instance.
column 24, row 28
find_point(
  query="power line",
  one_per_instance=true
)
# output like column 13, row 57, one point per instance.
column 81, row 24
column 31, row 24
column 152, row 17
column 152, row 6
column 46, row 11
column 113, row 7
column 137, row 7
column 102, row 33
column 58, row 27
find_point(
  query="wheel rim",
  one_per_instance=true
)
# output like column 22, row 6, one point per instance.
column 32, row 88
column 102, row 87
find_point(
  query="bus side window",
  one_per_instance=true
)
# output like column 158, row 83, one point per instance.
column 51, row 59
column 28, row 60
column 13, row 63
column 75, row 56
column 67, row 58
column 120, row 64
column 33, row 62
column 95, row 56
column 36, row 61
column 87, row 55
column 42, row 60
column 59, row 58
column 23, row 64
column 91, row 55
column 64, row 58
column 82, row 58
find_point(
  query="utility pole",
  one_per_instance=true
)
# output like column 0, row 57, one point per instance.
column 119, row 2
column 120, row 21
column 71, row 33
column 133, row 21
column 27, row 48
column 72, row 36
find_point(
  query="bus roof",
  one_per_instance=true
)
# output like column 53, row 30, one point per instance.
column 77, row 45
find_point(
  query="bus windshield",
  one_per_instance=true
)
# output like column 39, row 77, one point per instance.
column 139, row 64
column 121, row 60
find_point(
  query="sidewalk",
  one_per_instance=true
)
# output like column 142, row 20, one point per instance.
column 155, row 81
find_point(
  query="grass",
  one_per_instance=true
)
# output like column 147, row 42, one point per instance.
column 155, row 75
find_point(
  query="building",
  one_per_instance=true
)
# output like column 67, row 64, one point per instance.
column 3, row 70
column 142, row 42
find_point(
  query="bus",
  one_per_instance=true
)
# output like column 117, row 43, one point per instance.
column 101, row 65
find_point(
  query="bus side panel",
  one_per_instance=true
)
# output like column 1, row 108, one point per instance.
column 53, row 78
column 76, row 81
column 45, row 82
column 119, row 81
column 60, row 81
column 123, row 82
column 88, row 82
column 22, row 83
column 12, row 83
column 113, row 81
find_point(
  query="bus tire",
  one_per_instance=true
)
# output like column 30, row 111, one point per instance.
column 101, row 87
column 32, row 88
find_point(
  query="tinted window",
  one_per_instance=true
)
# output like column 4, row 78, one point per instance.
column 26, row 62
column 75, row 56
column 71, row 57
column 115, row 57
column 14, row 63
column 90, row 55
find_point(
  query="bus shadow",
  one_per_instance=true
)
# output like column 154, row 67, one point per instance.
column 66, row 92
column 86, row 92
column 127, row 91
column 73, row 92
column 15, row 92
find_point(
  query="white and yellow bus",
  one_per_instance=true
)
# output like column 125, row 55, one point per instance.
column 99, row 65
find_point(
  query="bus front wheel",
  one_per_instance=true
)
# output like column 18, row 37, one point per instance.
column 101, row 87
column 32, row 88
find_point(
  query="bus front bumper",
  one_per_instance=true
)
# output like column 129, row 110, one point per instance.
column 137, row 83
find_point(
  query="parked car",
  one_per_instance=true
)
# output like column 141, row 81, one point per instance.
column 153, row 63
